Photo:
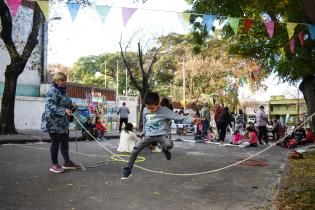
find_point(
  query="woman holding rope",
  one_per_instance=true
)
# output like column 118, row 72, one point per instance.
column 55, row 121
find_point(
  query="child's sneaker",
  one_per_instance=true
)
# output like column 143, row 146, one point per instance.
column 56, row 168
column 127, row 173
column 70, row 165
column 167, row 154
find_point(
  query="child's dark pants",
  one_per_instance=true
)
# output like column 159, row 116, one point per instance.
column 166, row 143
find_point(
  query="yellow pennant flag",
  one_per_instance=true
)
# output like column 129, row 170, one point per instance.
column 44, row 6
column 290, row 28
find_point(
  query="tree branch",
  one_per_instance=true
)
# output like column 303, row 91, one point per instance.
column 6, row 31
column 140, row 54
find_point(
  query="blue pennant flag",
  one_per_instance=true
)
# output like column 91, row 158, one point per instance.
column 311, row 29
column 73, row 9
column 209, row 20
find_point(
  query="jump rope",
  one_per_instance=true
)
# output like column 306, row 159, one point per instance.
column 117, row 157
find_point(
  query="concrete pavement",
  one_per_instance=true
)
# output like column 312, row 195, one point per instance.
column 26, row 183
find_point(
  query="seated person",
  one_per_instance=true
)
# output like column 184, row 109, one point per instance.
column 210, row 136
column 310, row 138
column 299, row 134
column 237, row 137
column 253, row 138
column 100, row 128
column 88, row 125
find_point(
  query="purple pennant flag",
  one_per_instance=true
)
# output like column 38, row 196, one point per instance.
column 127, row 13
column 292, row 45
column 270, row 26
column 209, row 20
column 73, row 9
column 14, row 6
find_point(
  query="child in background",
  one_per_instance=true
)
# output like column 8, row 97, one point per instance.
column 100, row 128
column 211, row 136
column 310, row 138
column 253, row 138
column 237, row 137
column 127, row 139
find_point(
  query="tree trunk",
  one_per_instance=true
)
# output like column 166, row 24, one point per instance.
column 8, row 99
column 307, row 87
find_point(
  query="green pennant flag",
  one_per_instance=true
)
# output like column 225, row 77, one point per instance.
column 102, row 12
column 290, row 29
column 44, row 6
column 234, row 23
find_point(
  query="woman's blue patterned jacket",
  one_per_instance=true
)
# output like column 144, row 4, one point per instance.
column 54, row 118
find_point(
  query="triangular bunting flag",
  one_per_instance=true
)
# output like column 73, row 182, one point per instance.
column 282, row 53
column 270, row 26
column 14, row 6
column 311, row 29
column 44, row 6
column 247, row 24
column 102, row 12
column 234, row 23
column 73, row 9
column 292, row 45
column 301, row 38
column 290, row 29
column 184, row 19
column 209, row 20
column 127, row 13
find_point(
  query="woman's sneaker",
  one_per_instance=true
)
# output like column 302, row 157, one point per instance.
column 70, row 165
column 56, row 168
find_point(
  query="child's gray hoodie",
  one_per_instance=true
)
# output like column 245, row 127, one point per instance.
column 156, row 124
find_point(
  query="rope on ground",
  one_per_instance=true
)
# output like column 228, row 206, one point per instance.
column 198, row 173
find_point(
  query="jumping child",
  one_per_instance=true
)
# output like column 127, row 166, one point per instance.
column 155, row 129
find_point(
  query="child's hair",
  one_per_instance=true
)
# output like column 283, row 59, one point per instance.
column 249, row 129
column 152, row 98
column 165, row 102
column 236, row 132
column 96, row 119
column 210, row 129
column 308, row 129
column 128, row 127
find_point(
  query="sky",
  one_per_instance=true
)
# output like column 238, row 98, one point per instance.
column 87, row 35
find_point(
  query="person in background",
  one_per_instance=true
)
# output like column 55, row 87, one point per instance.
column 237, row 137
column 55, row 121
column 123, row 113
column 206, row 116
column 223, row 121
column 239, row 121
column 100, row 128
column 127, row 139
column 90, row 127
column 253, row 139
column 310, row 138
column 262, row 120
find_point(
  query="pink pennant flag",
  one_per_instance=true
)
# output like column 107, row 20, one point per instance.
column 301, row 38
column 270, row 26
column 127, row 13
column 14, row 6
column 292, row 45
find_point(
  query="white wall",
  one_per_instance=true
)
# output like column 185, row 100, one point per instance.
column 28, row 112
column 21, row 29
column 131, row 103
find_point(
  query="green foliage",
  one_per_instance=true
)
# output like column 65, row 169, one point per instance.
column 256, row 44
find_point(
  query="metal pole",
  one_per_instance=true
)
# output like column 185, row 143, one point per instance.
column 126, row 83
column 117, row 82
column 105, row 76
column 184, row 86
column 298, row 106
